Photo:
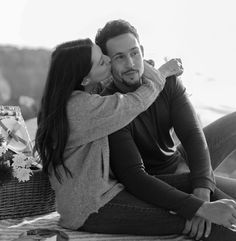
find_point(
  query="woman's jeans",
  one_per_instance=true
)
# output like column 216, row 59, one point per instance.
column 125, row 214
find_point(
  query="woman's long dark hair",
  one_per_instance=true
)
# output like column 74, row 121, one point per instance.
column 70, row 63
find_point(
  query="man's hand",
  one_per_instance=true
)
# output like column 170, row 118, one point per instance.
column 221, row 212
column 197, row 227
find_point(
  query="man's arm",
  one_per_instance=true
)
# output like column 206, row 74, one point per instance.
column 128, row 167
column 190, row 134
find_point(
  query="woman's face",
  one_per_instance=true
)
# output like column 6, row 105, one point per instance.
column 101, row 67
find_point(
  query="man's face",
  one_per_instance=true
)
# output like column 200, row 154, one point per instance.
column 126, row 60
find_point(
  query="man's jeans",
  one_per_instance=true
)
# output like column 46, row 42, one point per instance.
column 125, row 214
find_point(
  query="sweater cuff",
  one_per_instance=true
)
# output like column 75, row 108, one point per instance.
column 204, row 183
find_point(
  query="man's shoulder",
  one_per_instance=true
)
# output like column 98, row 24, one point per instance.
column 174, row 87
column 173, row 83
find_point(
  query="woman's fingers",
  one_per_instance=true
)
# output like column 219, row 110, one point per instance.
column 179, row 60
column 180, row 68
column 172, row 67
column 176, row 65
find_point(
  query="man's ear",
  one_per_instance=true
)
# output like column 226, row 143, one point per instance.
column 142, row 49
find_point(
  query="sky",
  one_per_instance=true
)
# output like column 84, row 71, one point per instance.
column 200, row 32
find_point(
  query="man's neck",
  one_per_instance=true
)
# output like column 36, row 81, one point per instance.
column 94, row 88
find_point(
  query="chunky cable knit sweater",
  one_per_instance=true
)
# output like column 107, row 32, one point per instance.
column 91, row 119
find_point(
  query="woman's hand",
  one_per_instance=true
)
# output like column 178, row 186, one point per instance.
column 221, row 212
column 172, row 67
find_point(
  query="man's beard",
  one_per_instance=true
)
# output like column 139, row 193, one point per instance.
column 125, row 87
column 132, row 85
column 129, row 82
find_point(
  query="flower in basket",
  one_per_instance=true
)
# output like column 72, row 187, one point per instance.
column 16, row 159
column 14, row 164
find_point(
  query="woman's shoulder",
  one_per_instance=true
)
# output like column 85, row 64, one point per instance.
column 77, row 100
column 79, row 97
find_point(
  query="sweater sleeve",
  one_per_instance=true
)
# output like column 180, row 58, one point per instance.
column 93, row 116
column 190, row 134
column 128, row 167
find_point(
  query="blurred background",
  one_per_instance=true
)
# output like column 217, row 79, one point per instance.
column 202, row 33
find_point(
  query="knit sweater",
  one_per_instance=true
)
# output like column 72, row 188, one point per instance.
column 91, row 119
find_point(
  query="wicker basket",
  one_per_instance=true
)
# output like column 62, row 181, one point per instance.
column 23, row 199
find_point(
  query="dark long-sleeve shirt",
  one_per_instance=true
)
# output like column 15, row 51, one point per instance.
column 145, row 147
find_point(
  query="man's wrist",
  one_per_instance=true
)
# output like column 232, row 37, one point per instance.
column 202, row 193
column 201, row 211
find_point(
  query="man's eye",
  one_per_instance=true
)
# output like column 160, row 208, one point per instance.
column 135, row 53
column 102, row 62
column 119, row 57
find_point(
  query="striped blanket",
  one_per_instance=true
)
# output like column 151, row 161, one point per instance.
column 12, row 228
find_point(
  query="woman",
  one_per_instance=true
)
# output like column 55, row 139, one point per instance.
column 73, row 125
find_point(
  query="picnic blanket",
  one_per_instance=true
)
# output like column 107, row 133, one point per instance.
column 12, row 228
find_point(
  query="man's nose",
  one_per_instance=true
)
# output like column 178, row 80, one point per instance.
column 129, row 61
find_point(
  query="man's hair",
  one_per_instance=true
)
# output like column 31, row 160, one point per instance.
column 113, row 29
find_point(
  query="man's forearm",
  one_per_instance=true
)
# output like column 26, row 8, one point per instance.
column 205, row 180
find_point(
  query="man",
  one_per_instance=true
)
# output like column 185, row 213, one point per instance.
column 144, row 159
